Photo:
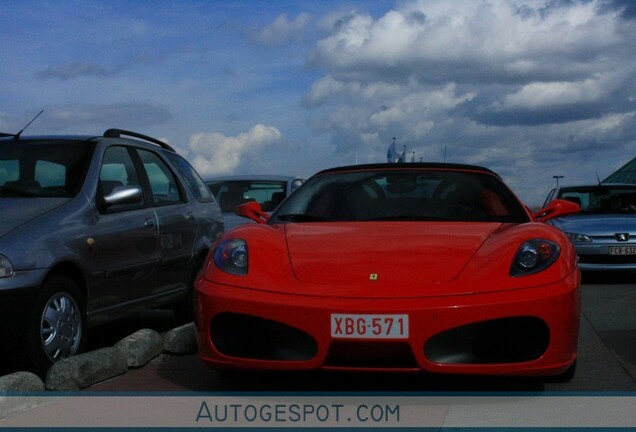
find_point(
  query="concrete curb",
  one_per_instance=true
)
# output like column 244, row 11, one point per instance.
column 21, row 382
column 181, row 340
column 86, row 369
column 83, row 370
column 140, row 347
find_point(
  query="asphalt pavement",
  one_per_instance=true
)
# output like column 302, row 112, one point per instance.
column 606, row 363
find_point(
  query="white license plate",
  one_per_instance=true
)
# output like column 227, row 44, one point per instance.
column 622, row 250
column 364, row 326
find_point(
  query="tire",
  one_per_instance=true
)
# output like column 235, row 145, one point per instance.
column 57, row 328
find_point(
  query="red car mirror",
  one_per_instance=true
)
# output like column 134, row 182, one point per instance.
column 252, row 210
column 556, row 208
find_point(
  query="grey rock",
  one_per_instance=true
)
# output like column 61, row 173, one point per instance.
column 21, row 382
column 84, row 370
column 181, row 340
column 140, row 347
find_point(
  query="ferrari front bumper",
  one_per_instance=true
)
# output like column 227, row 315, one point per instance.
column 531, row 331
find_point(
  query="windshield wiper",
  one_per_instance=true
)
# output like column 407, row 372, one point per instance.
column 300, row 217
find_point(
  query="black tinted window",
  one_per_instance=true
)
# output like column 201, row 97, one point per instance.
column 43, row 168
column 402, row 195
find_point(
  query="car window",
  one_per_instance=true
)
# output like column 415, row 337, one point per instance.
column 43, row 168
column 9, row 170
column 163, row 183
column 402, row 195
column 232, row 193
column 118, row 169
column 602, row 199
column 192, row 178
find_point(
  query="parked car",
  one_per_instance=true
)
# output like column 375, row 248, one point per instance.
column 93, row 228
column 267, row 190
column 394, row 267
column 604, row 232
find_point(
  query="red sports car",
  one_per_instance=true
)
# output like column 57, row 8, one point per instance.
column 394, row 267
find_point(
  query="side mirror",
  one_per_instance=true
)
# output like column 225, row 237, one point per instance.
column 556, row 208
column 122, row 195
column 252, row 210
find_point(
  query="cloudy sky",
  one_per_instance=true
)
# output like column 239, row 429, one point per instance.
column 528, row 88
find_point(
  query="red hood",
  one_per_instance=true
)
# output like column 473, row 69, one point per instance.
column 401, row 254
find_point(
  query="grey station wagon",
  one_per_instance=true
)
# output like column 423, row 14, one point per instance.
column 93, row 228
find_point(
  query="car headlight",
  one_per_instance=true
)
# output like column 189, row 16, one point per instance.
column 231, row 256
column 578, row 238
column 534, row 256
column 6, row 269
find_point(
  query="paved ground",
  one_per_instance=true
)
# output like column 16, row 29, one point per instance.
column 607, row 359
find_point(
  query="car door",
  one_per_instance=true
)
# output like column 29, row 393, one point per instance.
column 177, row 223
column 125, row 247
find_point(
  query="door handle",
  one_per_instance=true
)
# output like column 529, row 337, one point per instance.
column 149, row 223
column 190, row 216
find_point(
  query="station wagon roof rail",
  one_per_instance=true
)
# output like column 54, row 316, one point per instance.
column 117, row 133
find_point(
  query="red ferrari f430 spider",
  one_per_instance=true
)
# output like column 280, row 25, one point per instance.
column 394, row 267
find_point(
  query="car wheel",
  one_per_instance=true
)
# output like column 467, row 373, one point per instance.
column 58, row 324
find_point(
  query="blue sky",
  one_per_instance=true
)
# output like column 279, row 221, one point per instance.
column 528, row 88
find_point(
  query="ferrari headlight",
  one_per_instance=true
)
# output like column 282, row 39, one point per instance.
column 578, row 238
column 534, row 256
column 231, row 256
column 6, row 269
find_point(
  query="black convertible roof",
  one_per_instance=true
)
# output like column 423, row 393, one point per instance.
column 408, row 166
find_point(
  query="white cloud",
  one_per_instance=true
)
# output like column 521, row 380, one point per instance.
column 521, row 86
column 216, row 154
column 434, row 39
column 283, row 29
column 540, row 94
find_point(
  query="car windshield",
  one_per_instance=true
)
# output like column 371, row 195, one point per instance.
column 232, row 193
column 602, row 199
column 402, row 195
column 42, row 168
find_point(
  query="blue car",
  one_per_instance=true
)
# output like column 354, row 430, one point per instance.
column 604, row 232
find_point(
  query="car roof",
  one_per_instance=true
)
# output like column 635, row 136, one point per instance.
column 135, row 137
column 407, row 166
column 52, row 137
column 258, row 177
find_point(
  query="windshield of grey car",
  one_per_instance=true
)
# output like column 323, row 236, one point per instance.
column 402, row 195
column 42, row 168
column 602, row 199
